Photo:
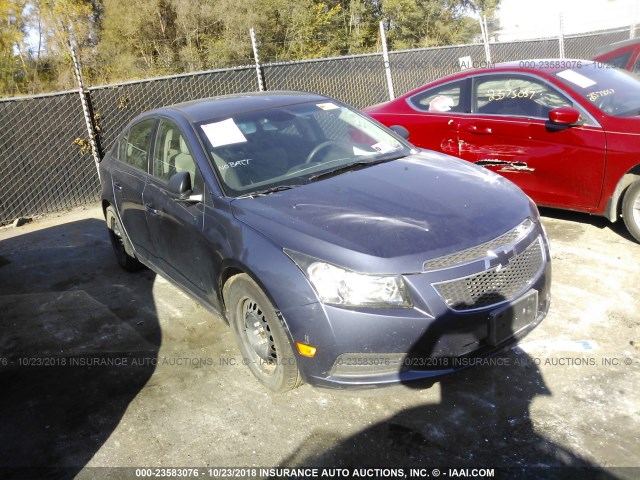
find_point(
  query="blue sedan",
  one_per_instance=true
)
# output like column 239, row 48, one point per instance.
column 339, row 254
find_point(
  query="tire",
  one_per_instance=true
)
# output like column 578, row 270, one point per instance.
column 631, row 209
column 260, row 334
column 118, row 242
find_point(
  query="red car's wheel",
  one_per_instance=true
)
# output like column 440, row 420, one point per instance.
column 631, row 209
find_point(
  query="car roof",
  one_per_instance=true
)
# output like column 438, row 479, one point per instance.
column 548, row 66
column 543, row 66
column 227, row 105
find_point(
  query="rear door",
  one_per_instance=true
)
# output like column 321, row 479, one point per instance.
column 129, row 179
column 432, row 116
column 509, row 133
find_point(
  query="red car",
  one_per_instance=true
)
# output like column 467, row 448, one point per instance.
column 566, row 131
column 625, row 55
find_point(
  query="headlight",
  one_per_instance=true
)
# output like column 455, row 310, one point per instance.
column 339, row 286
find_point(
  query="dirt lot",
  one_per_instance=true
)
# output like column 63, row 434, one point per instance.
column 175, row 394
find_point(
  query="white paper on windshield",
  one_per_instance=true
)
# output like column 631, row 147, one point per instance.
column 327, row 106
column 223, row 133
column 576, row 78
column 382, row 147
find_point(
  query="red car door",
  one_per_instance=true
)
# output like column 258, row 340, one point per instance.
column 432, row 116
column 509, row 132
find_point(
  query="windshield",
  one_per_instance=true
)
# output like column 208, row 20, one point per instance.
column 614, row 91
column 287, row 146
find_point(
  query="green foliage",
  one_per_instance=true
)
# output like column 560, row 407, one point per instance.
column 120, row 40
column 12, row 57
column 427, row 23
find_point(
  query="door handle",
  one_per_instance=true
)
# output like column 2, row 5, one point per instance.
column 117, row 186
column 479, row 130
column 149, row 207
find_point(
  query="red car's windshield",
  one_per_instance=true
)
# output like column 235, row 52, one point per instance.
column 614, row 91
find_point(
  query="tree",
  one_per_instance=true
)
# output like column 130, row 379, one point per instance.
column 131, row 39
column 54, row 25
column 137, row 39
column 13, row 63
column 426, row 23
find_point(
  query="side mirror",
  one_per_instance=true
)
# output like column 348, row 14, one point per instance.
column 179, row 186
column 564, row 116
column 400, row 130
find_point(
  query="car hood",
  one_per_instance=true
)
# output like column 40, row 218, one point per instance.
column 390, row 217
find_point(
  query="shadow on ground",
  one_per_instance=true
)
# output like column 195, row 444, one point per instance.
column 78, row 341
column 482, row 421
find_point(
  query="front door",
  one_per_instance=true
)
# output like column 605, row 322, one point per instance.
column 509, row 133
column 176, row 226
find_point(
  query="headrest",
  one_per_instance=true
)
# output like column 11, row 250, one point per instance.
column 183, row 146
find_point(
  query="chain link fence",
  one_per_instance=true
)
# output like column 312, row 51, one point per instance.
column 45, row 153
column 413, row 68
column 115, row 105
column 45, row 164
column 358, row 80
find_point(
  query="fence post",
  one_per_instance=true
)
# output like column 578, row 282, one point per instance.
column 385, row 59
column 484, row 31
column 561, row 36
column 85, row 107
column 254, row 45
column 632, row 31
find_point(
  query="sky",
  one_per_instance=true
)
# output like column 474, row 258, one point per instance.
column 522, row 19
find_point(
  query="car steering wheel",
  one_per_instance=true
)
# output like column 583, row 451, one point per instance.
column 324, row 145
column 607, row 105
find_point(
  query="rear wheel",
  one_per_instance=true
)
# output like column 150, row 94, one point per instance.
column 261, row 335
column 118, row 242
column 631, row 209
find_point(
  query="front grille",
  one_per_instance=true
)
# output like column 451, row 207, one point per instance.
column 480, row 251
column 495, row 285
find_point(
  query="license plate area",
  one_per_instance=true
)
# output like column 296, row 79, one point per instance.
column 510, row 319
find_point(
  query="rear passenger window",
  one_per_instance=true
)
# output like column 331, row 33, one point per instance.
column 134, row 147
column 444, row 98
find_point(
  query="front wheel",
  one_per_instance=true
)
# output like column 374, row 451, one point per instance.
column 631, row 209
column 261, row 335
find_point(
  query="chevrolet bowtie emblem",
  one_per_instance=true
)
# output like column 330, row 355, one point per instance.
column 499, row 259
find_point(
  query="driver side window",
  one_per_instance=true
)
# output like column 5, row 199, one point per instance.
column 516, row 96
column 172, row 154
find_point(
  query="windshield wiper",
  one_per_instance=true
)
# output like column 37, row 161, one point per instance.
column 267, row 191
column 354, row 166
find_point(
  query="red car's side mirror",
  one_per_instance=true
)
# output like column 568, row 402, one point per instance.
column 564, row 116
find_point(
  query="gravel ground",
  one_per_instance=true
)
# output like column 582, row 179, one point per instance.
column 175, row 393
